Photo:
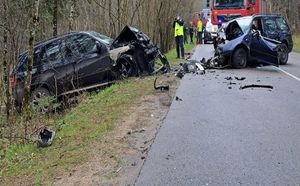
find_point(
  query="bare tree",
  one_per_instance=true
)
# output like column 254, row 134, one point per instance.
column 55, row 15
column 6, row 64
column 72, row 14
column 28, row 78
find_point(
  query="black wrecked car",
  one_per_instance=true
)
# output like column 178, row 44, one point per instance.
column 249, row 39
column 80, row 61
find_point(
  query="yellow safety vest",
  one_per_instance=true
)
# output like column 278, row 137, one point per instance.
column 200, row 26
column 178, row 30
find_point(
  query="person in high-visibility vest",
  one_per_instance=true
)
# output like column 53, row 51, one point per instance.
column 199, row 30
column 178, row 26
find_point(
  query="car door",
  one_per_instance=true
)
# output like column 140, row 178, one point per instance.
column 93, row 64
column 262, row 49
column 57, row 70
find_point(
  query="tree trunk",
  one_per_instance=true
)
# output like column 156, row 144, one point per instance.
column 55, row 15
column 72, row 15
column 28, row 78
column 6, row 64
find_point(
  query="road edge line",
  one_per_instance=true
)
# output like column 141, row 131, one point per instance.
column 289, row 74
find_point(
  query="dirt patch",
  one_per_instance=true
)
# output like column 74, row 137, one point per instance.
column 118, row 156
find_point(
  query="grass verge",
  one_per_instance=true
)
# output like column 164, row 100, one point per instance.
column 296, row 40
column 76, row 133
column 171, row 55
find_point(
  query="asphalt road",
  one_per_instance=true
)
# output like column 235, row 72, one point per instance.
column 221, row 135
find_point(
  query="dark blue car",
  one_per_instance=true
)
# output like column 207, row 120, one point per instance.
column 249, row 39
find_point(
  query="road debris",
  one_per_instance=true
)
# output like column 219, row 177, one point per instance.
column 230, row 83
column 119, row 169
column 178, row 99
column 190, row 66
column 45, row 138
column 256, row 86
column 240, row 79
column 161, row 87
column 228, row 78
column 180, row 74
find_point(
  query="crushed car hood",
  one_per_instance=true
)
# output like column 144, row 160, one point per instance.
column 129, row 34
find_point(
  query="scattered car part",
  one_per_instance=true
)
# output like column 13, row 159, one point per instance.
column 161, row 87
column 45, row 138
column 228, row 78
column 180, row 74
column 178, row 99
column 240, row 79
column 201, row 68
column 256, row 86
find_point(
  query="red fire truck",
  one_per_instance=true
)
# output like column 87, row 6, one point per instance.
column 226, row 10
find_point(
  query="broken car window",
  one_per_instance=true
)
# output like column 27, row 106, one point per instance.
column 282, row 25
column 53, row 51
column 104, row 39
column 87, row 45
column 244, row 23
column 269, row 25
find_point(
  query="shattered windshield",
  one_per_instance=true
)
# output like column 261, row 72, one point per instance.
column 244, row 23
column 103, row 38
column 221, row 4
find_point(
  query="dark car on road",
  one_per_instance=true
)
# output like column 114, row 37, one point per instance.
column 210, row 32
column 264, row 38
column 80, row 61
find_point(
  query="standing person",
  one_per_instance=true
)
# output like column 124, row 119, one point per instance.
column 191, row 31
column 200, row 30
column 178, row 26
column 186, row 32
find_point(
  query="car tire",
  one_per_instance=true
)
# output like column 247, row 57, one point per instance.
column 283, row 54
column 35, row 98
column 239, row 58
column 128, row 67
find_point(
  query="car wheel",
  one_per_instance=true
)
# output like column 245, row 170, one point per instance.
column 283, row 54
column 37, row 101
column 128, row 67
column 239, row 58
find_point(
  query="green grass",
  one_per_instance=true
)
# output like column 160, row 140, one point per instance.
column 77, row 131
column 171, row 55
column 296, row 40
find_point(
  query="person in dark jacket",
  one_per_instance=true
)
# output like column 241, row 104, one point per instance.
column 178, row 26
column 191, row 31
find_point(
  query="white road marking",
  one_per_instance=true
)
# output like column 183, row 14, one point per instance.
column 287, row 73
